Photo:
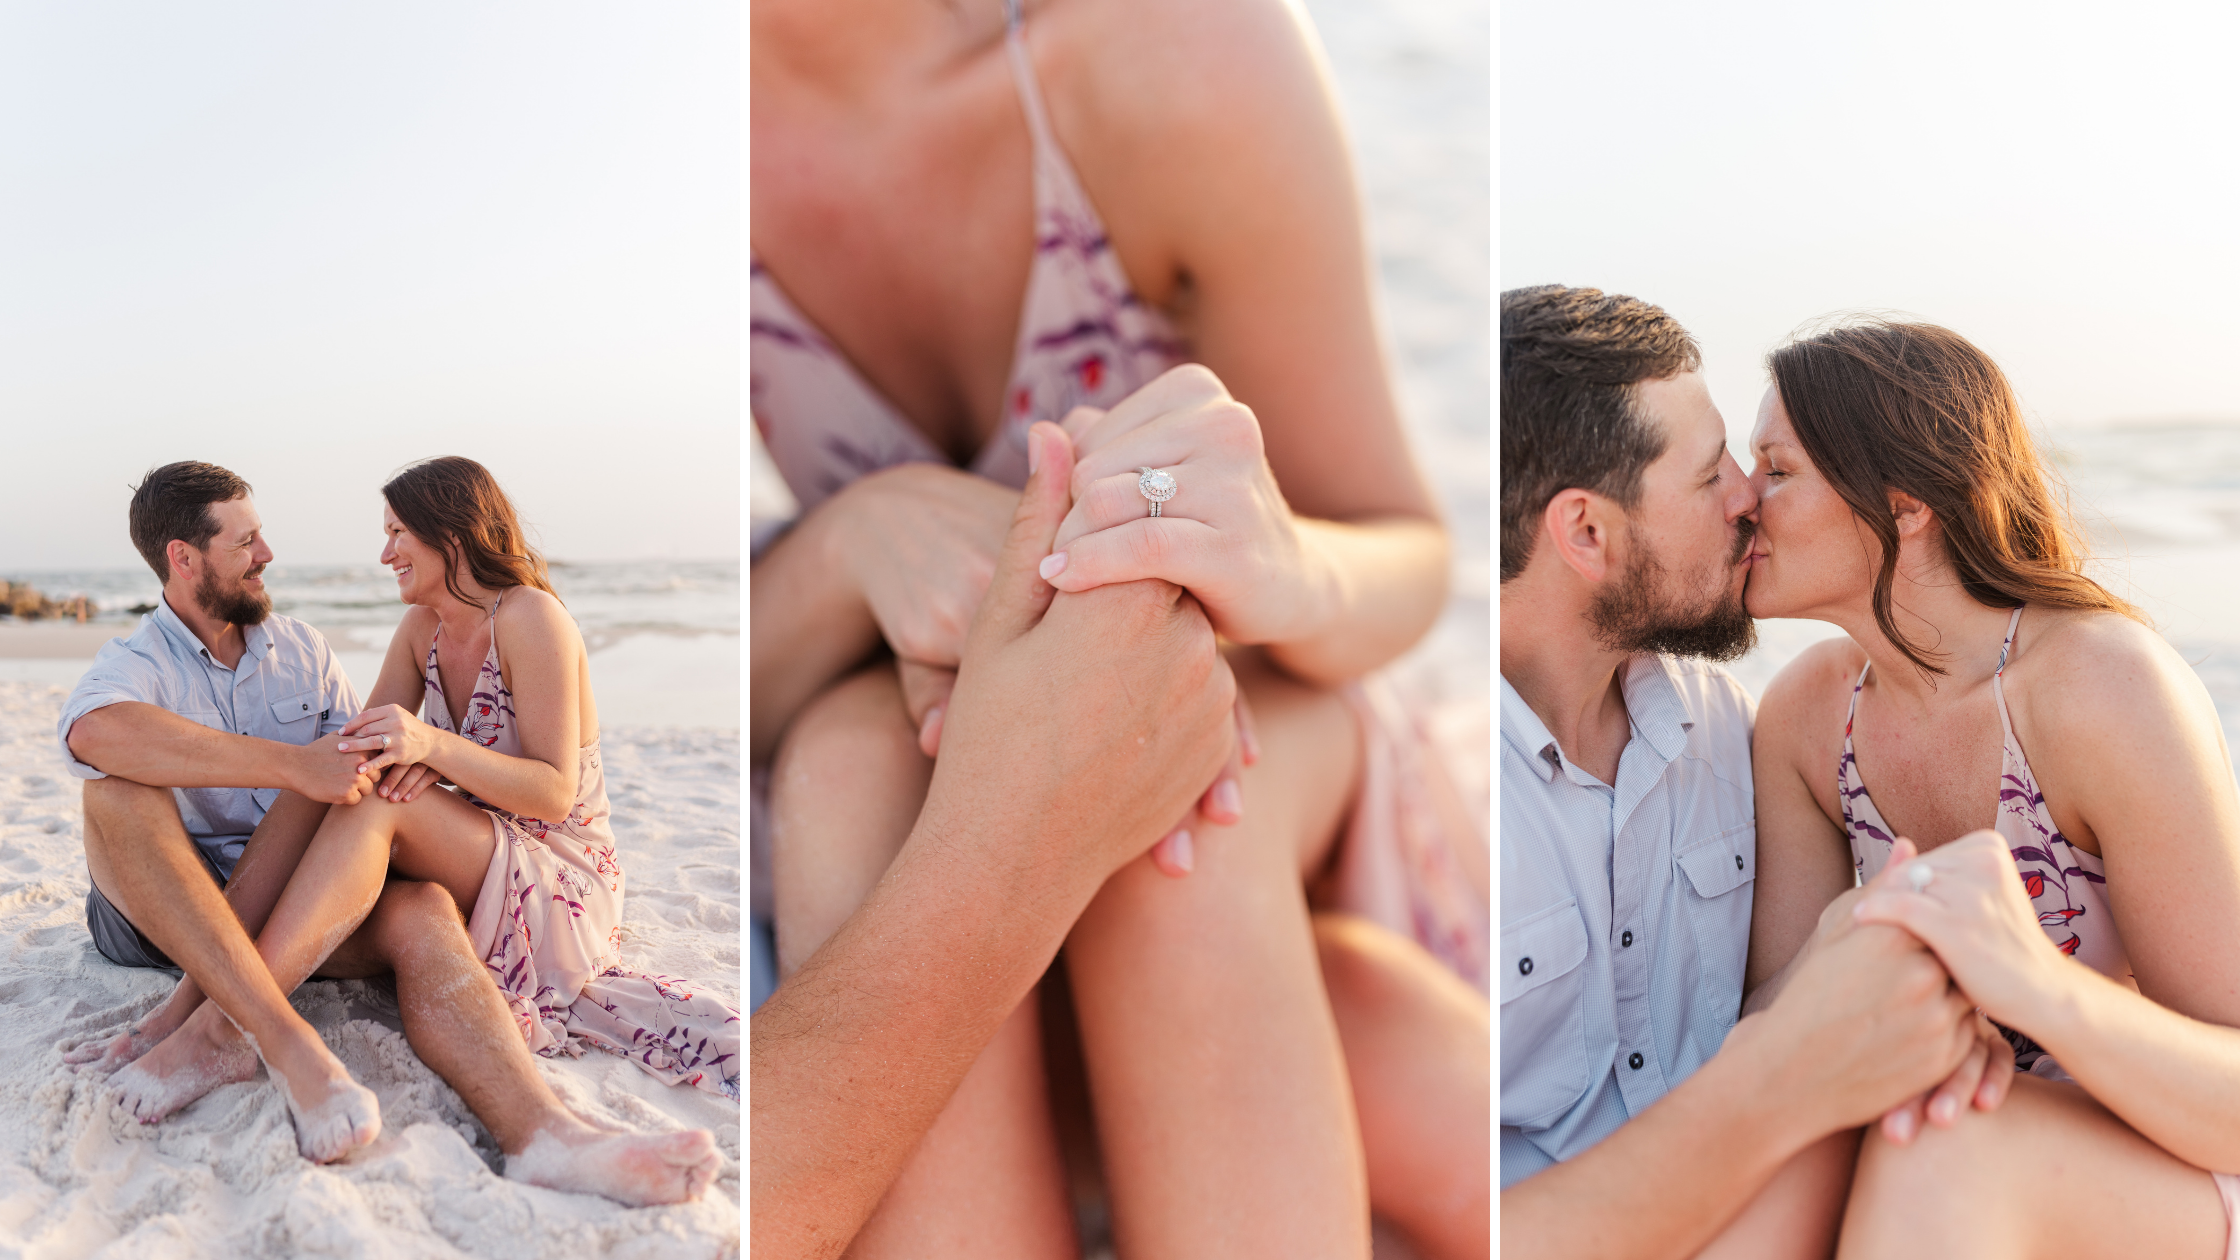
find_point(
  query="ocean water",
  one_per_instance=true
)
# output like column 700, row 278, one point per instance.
column 2159, row 507
column 663, row 634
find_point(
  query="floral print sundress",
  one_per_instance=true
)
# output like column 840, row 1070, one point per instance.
column 548, row 921
column 2067, row 885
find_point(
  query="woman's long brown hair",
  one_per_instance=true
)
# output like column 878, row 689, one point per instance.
column 1880, row 405
column 455, row 505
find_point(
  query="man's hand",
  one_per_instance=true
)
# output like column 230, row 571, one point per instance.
column 1868, row 1021
column 323, row 772
column 1082, row 725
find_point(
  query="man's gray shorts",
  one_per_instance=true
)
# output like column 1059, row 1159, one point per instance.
column 116, row 937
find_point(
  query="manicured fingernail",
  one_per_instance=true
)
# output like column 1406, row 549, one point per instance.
column 925, row 728
column 1053, row 565
column 1901, row 1126
column 1180, row 850
column 1228, row 799
column 1945, row 1109
column 1034, row 452
column 1251, row 749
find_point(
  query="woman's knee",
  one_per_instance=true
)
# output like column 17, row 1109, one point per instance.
column 845, row 786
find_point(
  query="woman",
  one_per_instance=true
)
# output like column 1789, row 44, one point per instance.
column 967, row 220
column 1987, row 680
column 513, row 879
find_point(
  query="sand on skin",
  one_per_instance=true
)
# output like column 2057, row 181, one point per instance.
column 222, row 1178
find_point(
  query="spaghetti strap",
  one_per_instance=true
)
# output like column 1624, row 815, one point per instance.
column 1998, row 678
column 1030, row 88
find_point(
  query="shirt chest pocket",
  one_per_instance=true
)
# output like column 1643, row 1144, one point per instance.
column 1718, row 874
column 299, row 708
column 1543, row 1015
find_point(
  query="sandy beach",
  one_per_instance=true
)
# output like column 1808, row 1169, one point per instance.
column 222, row 1178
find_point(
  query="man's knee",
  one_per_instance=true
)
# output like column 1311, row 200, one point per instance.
column 413, row 915
column 112, row 798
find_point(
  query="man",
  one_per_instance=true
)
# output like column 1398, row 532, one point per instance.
column 1633, row 1123
column 205, row 740
column 1040, row 794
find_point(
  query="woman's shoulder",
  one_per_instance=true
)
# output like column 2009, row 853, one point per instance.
column 418, row 628
column 528, row 615
column 1807, row 699
column 2084, row 663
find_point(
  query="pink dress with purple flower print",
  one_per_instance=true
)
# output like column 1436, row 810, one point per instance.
column 548, row 921
column 2067, row 885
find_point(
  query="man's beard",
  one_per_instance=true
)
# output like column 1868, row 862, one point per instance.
column 1638, row 614
column 238, row 606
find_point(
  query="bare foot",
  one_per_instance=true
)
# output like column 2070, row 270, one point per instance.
column 144, row 1035
column 334, row 1115
column 181, row 1068
column 633, row 1168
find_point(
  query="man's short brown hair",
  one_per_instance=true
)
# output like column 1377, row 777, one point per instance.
column 174, row 502
column 1570, row 359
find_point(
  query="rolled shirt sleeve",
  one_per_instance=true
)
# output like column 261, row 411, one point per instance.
column 120, row 673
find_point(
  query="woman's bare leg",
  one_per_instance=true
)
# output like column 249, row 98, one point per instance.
column 1220, row 1088
column 1417, row 1041
column 2050, row 1174
column 988, row 1178
column 459, row 1025
column 1798, row 1213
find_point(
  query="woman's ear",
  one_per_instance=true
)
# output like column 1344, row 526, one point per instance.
column 1913, row 516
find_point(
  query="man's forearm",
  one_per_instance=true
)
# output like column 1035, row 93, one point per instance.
column 856, row 1055
column 809, row 626
column 155, row 746
column 1667, row 1181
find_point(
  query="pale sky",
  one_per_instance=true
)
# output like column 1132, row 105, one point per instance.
column 314, row 242
column 2055, row 181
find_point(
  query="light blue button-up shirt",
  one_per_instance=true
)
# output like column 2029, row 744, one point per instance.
column 287, row 687
column 1625, row 908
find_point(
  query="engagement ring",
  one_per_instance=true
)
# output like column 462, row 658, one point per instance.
column 384, row 743
column 1156, row 485
column 1920, row 875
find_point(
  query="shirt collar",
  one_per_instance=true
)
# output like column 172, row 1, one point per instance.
column 1652, row 689
column 1651, row 686
column 257, row 638
column 1525, row 732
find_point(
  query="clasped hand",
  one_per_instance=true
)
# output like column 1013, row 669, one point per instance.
column 401, row 745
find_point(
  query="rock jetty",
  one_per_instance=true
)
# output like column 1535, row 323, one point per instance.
column 22, row 599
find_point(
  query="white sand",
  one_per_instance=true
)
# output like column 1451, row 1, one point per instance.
column 222, row 1178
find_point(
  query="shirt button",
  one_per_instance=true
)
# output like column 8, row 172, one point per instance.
column 1524, row 966
column 1626, row 941
column 1738, row 861
column 1634, row 1060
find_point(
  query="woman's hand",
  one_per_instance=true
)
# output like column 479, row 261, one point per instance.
column 1226, row 535
column 1973, row 913
column 394, row 735
column 404, row 784
column 919, row 541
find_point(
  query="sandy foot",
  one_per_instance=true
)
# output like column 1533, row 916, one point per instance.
column 344, row 1116
column 105, row 1057
column 633, row 1168
column 181, row 1068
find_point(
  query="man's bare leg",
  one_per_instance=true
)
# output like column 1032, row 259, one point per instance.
column 258, row 878
column 988, row 1178
column 459, row 1025
column 142, row 859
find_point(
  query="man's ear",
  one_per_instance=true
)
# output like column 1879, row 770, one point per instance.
column 182, row 557
column 1576, row 528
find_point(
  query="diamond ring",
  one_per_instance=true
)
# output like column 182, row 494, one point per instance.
column 1920, row 875
column 1155, row 484
column 384, row 743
